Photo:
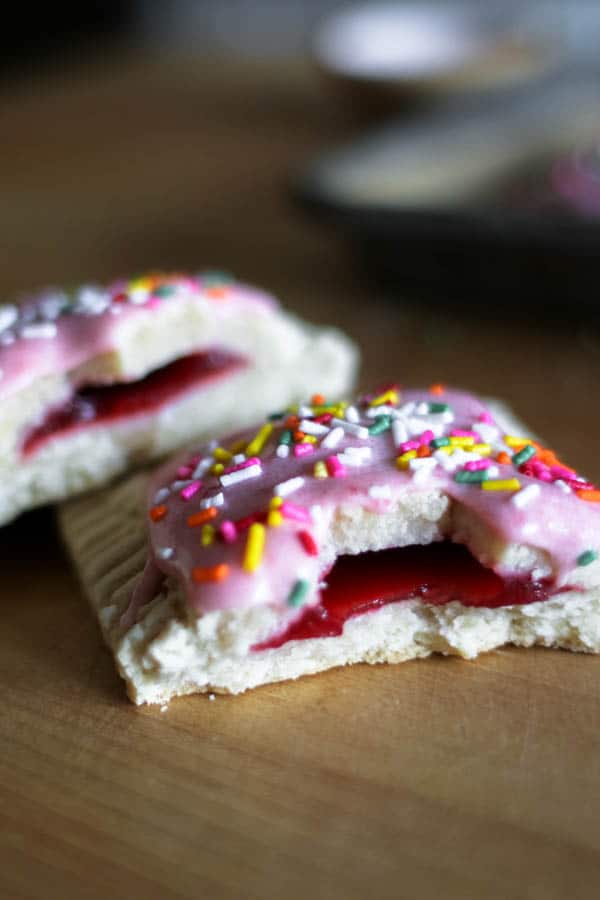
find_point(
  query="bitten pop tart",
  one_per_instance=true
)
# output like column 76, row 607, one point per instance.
column 101, row 379
column 404, row 523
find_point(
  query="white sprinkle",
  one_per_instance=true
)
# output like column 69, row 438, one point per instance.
column 161, row 495
column 304, row 411
column 215, row 500
column 563, row 486
column 529, row 528
column 283, row 451
column 333, row 438
column 422, row 468
column 181, row 483
column 358, row 431
column 165, row 552
column 288, row 487
column 351, row 415
column 353, row 459
column 408, row 409
column 523, row 498
column 231, row 478
column 211, row 696
column 399, row 432
column 422, row 409
column 380, row 492
column 91, row 302
column 52, row 305
column 487, row 433
column 239, row 458
column 203, row 466
column 383, row 410
column 315, row 428
column 138, row 295
column 8, row 315
column 39, row 330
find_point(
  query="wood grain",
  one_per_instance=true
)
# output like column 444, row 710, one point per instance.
column 436, row 778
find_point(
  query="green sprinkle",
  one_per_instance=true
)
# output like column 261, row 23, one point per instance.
column 438, row 407
column 273, row 417
column 298, row 593
column 436, row 443
column 523, row 455
column 286, row 437
column 216, row 278
column 465, row 476
column 381, row 423
column 587, row 557
column 164, row 290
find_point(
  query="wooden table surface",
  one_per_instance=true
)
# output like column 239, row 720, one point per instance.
column 434, row 778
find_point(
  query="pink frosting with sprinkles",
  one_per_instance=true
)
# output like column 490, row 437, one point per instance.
column 54, row 332
column 250, row 535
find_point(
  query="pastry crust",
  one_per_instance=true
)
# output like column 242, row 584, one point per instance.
column 172, row 650
column 248, row 326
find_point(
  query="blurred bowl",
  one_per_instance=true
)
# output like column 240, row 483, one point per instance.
column 392, row 53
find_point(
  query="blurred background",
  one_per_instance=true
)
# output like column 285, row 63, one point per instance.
column 423, row 174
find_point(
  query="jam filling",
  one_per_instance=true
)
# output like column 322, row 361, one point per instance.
column 102, row 404
column 436, row 574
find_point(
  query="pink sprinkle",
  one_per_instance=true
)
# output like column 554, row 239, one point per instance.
column 405, row 446
column 247, row 521
column 303, row 449
column 228, row 531
column 291, row 511
column 474, row 465
column 190, row 489
column 486, row 417
column 184, row 471
column 335, row 468
column 528, row 469
column 580, row 485
column 426, row 437
column 541, row 470
column 460, row 432
column 194, row 461
column 561, row 472
column 323, row 419
column 252, row 461
column 153, row 303
column 308, row 542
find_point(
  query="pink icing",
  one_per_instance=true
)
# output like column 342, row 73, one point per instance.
column 550, row 516
column 54, row 333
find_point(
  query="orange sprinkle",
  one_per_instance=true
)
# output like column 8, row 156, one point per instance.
column 158, row 512
column 205, row 515
column 210, row 573
column 503, row 458
column 317, row 400
column 299, row 436
column 437, row 389
column 292, row 421
column 423, row 450
column 217, row 293
column 590, row 496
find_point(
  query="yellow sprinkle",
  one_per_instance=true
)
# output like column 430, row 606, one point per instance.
column 207, row 535
column 275, row 502
column 389, row 397
column 320, row 470
column 255, row 544
column 462, row 441
column 143, row 283
column 513, row 441
column 449, row 449
column 482, row 449
column 403, row 460
column 309, row 439
column 502, row 484
column 222, row 455
column 258, row 442
column 217, row 469
column 274, row 519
